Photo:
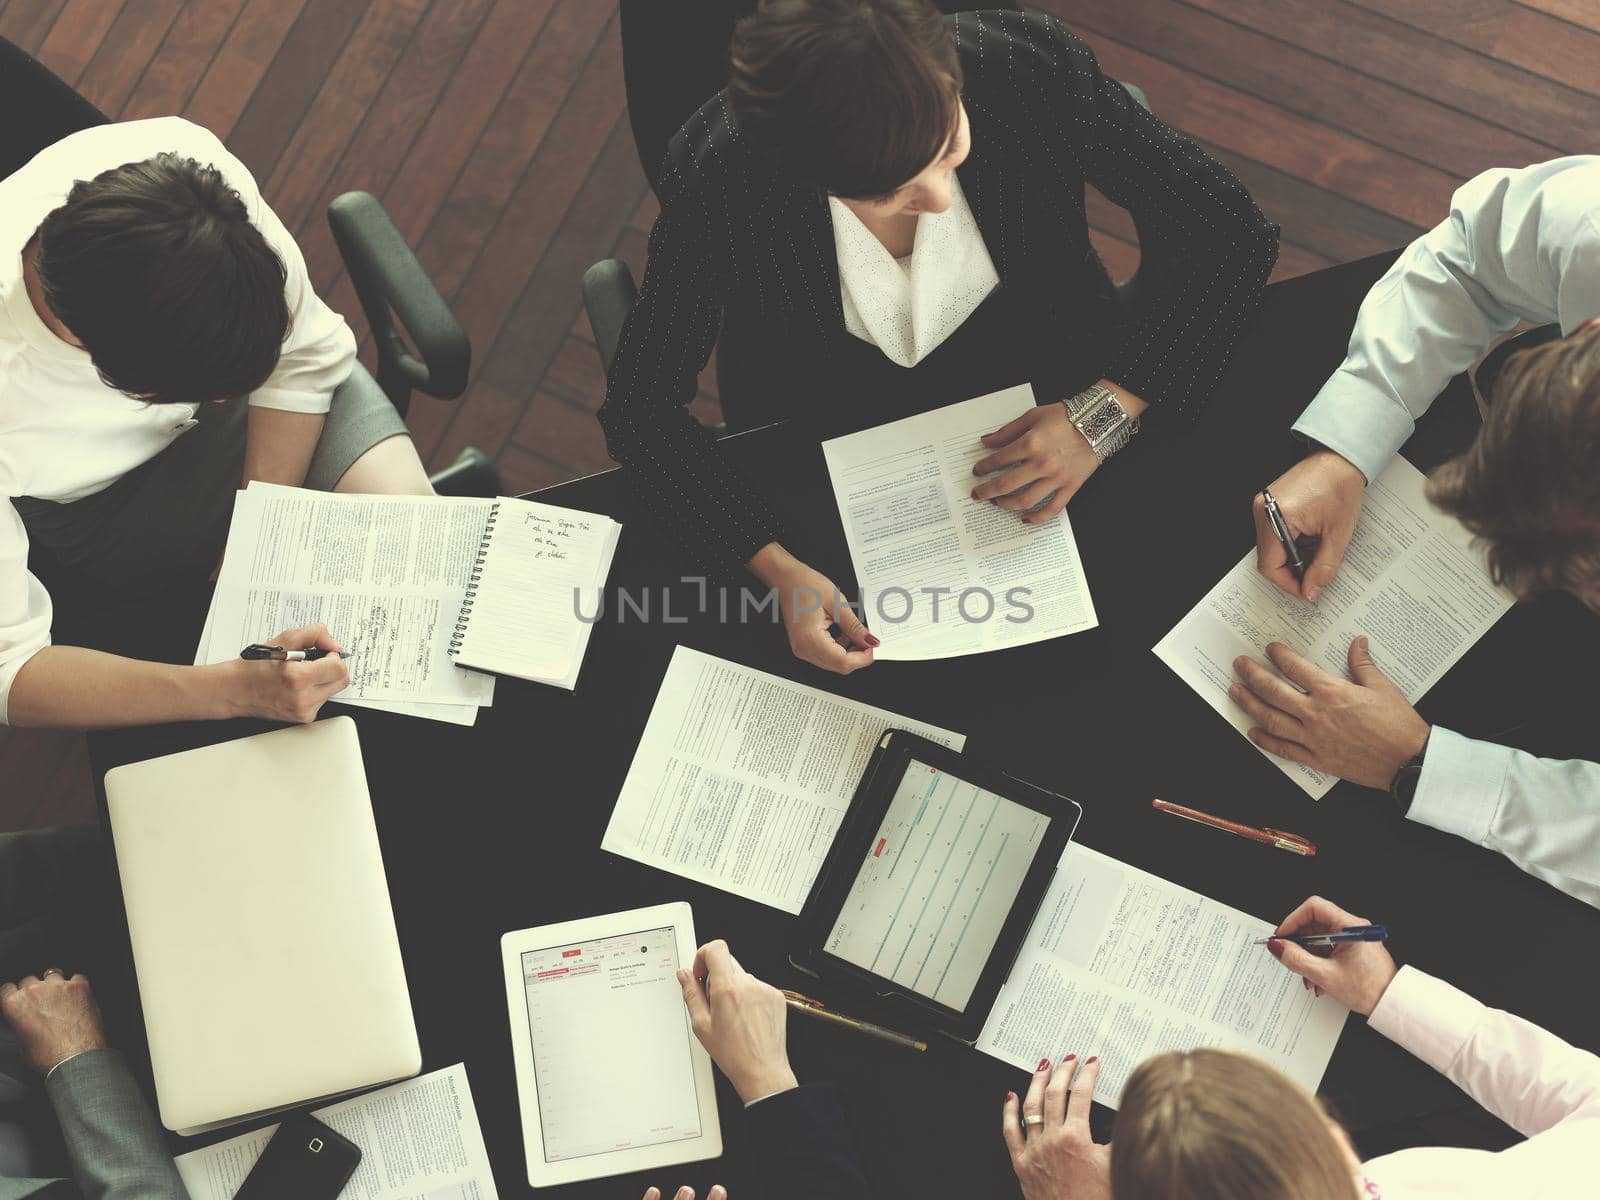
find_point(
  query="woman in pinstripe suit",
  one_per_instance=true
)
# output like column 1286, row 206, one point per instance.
column 793, row 205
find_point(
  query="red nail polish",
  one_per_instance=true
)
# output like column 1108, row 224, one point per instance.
column 1010, row 1096
column 1044, row 1064
column 1068, row 1059
column 1275, row 948
column 1093, row 1058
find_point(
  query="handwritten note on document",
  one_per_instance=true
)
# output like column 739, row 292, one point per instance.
column 1411, row 581
column 386, row 574
column 742, row 778
column 938, row 569
column 419, row 1140
column 1123, row 964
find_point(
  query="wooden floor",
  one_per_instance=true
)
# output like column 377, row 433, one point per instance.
column 496, row 133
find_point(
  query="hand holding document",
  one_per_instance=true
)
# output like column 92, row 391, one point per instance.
column 1412, row 582
column 742, row 778
column 419, row 1140
column 942, row 574
column 1122, row 964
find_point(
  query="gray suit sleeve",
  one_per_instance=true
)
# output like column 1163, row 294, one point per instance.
column 118, row 1150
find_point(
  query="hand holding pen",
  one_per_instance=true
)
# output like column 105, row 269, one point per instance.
column 1316, row 504
column 1353, row 967
column 288, row 679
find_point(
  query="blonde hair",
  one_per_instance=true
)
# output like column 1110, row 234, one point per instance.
column 1217, row 1125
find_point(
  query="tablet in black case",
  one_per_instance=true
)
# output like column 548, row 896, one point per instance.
column 928, row 891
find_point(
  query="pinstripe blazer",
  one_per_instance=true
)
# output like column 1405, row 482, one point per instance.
column 736, row 239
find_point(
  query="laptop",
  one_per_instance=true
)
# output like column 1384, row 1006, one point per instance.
column 263, row 939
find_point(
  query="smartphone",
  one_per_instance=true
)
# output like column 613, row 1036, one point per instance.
column 305, row 1159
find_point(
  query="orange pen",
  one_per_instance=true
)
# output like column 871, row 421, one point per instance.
column 1291, row 842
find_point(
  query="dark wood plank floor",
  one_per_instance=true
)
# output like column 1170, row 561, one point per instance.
column 496, row 133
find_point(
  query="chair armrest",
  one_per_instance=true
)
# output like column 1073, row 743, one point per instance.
column 392, row 285
column 608, row 296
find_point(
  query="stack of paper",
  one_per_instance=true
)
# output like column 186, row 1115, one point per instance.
column 418, row 1139
column 386, row 574
column 742, row 778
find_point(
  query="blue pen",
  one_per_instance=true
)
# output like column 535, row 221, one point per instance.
column 1326, row 941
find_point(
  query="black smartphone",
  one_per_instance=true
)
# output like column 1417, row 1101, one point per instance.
column 306, row 1160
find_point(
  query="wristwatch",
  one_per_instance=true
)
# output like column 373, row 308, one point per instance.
column 1403, row 787
column 1102, row 420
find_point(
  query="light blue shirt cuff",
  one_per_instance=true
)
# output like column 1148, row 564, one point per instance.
column 1358, row 421
column 1462, row 785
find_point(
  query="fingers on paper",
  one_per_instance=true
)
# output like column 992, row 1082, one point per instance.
column 1082, row 1097
column 1033, row 1102
column 1297, row 668
column 1008, row 432
column 1055, row 1092
column 1273, row 720
column 1269, row 688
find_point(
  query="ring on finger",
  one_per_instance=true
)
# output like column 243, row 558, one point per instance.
column 1032, row 1119
column 49, row 971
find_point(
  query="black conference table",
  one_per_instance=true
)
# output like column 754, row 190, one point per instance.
column 498, row 827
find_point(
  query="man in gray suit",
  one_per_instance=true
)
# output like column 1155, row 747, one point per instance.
column 52, row 1034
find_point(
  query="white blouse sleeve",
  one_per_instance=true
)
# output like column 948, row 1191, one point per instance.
column 1530, row 1079
column 24, row 605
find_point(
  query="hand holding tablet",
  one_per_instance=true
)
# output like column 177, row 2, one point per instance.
column 596, row 1005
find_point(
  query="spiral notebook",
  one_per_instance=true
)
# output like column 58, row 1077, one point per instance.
column 535, row 592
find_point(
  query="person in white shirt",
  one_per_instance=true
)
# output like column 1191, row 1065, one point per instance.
column 1519, row 246
column 1215, row 1124
column 160, row 347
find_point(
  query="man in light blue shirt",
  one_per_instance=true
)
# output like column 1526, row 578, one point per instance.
column 1519, row 245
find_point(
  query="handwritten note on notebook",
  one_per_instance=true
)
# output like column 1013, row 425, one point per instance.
column 535, row 591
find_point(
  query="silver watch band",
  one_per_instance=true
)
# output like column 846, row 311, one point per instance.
column 1102, row 420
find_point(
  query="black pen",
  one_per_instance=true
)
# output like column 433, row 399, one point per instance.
column 256, row 652
column 1279, row 527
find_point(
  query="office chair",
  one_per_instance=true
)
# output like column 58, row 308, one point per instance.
column 41, row 109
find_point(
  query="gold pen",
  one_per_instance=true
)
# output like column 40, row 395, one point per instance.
column 816, row 1008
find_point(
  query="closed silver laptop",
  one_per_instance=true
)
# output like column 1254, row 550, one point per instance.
column 268, row 963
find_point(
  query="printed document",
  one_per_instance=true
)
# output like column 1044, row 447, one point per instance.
column 1412, row 582
column 942, row 574
column 1122, row 964
column 742, row 778
column 386, row 574
column 419, row 1140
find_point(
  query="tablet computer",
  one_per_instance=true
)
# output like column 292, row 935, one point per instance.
column 928, row 891
column 610, row 1077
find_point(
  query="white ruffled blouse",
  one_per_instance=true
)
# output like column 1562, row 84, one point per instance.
column 907, row 306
